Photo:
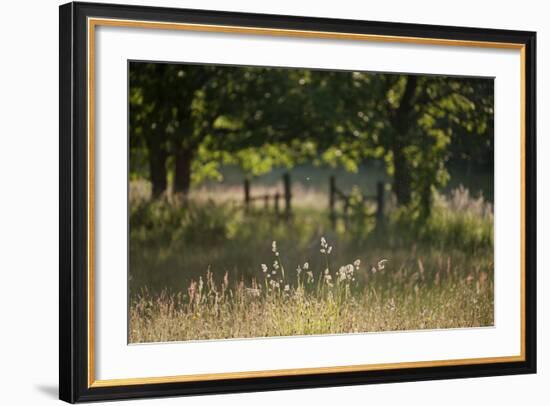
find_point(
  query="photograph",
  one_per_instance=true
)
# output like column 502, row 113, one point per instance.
column 253, row 201
column 282, row 201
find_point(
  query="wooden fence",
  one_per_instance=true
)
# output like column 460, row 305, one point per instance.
column 271, row 199
column 336, row 195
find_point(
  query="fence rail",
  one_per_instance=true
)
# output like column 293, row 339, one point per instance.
column 335, row 195
column 268, row 197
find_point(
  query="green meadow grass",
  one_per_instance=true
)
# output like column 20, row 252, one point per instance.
column 204, row 269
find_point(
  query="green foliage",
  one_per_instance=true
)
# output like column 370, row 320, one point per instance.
column 261, row 118
column 459, row 222
column 179, row 240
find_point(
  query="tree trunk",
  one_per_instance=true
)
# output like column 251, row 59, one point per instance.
column 402, row 175
column 403, row 120
column 182, row 176
column 425, row 202
column 157, row 165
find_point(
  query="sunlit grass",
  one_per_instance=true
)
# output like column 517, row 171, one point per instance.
column 197, row 270
column 301, row 300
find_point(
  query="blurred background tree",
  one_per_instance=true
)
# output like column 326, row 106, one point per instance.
column 188, row 120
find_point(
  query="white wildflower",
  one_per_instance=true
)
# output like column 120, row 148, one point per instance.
column 276, row 264
column 342, row 274
column 306, row 265
column 328, row 280
column 299, row 270
column 356, row 263
column 346, row 272
column 274, row 246
column 329, row 249
column 287, row 288
column 382, row 264
column 326, row 271
column 264, row 268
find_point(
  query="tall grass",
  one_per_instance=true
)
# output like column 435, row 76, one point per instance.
column 457, row 221
column 204, row 269
column 281, row 301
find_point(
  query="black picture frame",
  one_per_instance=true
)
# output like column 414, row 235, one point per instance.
column 74, row 199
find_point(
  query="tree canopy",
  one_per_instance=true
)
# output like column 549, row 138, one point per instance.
column 187, row 120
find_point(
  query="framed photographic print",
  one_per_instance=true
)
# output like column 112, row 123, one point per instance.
column 256, row 202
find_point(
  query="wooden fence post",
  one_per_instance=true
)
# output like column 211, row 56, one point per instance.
column 346, row 210
column 266, row 201
column 288, row 194
column 246, row 194
column 332, row 200
column 276, row 197
column 379, row 203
